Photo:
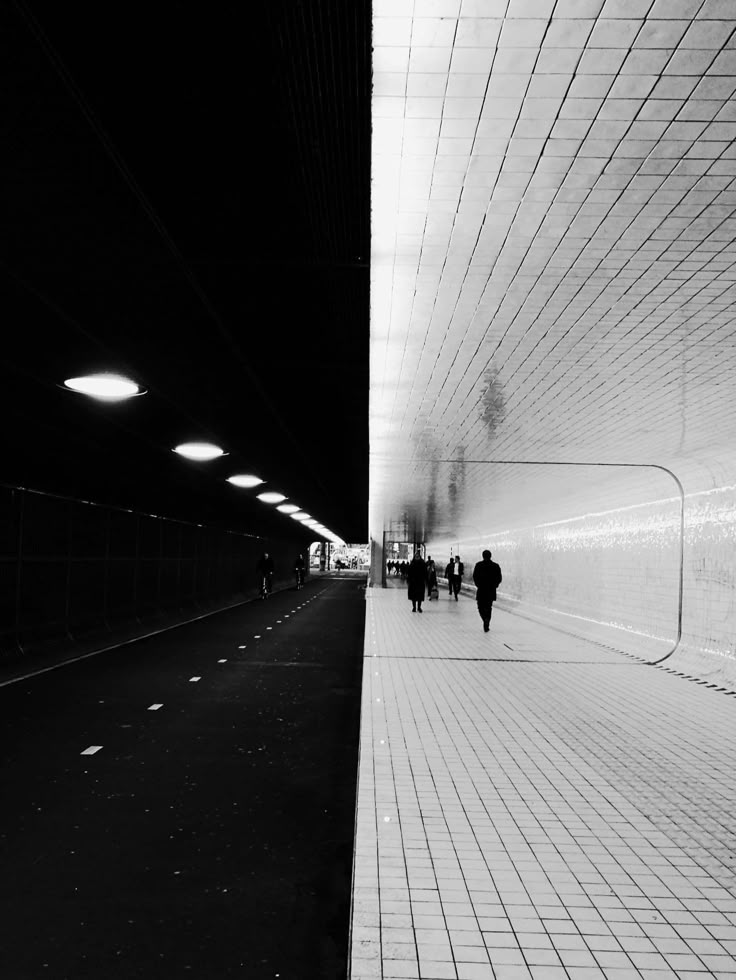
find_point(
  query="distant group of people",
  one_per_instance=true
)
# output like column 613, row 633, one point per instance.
column 346, row 563
column 421, row 577
column 266, row 568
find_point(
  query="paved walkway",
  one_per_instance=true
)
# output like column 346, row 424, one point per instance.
column 534, row 806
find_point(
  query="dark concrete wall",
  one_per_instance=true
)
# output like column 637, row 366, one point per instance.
column 75, row 575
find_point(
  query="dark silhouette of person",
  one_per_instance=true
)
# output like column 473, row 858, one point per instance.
column 431, row 577
column 265, row 572
column 456, row 575
column 299, row 570
column 487, row 577
column 417, row 576
column 448, row 575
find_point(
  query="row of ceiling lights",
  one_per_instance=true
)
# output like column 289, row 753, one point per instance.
column 112, row 387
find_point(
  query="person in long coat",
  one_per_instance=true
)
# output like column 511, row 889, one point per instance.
column 487, row 577
column 448, row 574
column 417, row 576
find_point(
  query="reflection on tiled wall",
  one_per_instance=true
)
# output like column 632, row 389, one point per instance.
column 619, row 568
column 709, row 601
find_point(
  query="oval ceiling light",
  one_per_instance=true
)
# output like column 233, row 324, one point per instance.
column 107, row 387
column 299, row 515
column 288, row 508
column 245, row 480
column 199, row 450
column 271, row 498
column 309, row 521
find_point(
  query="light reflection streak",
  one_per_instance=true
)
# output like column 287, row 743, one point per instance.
column 617, row 568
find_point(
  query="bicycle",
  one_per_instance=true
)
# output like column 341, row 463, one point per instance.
column 265, row 589
column 299, row 574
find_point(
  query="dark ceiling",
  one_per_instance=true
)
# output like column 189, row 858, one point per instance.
column 186, row 197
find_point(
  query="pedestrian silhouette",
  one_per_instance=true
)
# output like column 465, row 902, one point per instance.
column 487, row 577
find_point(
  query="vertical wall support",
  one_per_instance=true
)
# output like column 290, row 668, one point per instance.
column 19, row 568
column 178, row 566
column 136, row 571
column 161, row 560
column 69, row 549
column 106, row 573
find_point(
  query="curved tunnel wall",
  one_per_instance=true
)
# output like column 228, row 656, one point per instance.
column 613, row 572
column 618, row 569
column 76, row 575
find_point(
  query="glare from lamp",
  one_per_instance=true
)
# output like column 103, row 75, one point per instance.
column 271, row 498
column 106, row 387
column 288, row 508
column 245, row 480
column 299, row 515
column 199, row 450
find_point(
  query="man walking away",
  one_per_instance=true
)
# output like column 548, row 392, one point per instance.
column 487, row 577
column 457, row 576
column 417, row 575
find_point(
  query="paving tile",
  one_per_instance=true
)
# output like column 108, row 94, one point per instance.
column 509, row 821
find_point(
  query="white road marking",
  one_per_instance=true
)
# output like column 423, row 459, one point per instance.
column 91, row 750
column 242, row 647
column 154, row 707
column 257, row 636
column 222, row 661
column 193, row 679
column 269, row 627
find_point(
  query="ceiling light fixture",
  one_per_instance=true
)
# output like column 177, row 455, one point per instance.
column 271, row 498
column 106, row 387
column 245, row 480
column 199, row 450
column 299, row 515
column 288, row 508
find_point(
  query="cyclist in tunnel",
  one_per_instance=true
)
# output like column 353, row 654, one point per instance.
column 265, row 574
column 299, row 571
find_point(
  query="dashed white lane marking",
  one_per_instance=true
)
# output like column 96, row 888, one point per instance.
column 242, row 647
column 91, row 750
column 286, row 615
column 269, row 627
column 192, row 680
column 222, row 661
column 257, row 636
column 154, row 707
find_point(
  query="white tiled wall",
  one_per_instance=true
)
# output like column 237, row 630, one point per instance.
column 621, row 568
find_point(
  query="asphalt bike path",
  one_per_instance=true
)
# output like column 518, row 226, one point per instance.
column 184, row 806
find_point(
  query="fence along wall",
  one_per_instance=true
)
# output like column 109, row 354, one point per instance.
column 76, row 573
